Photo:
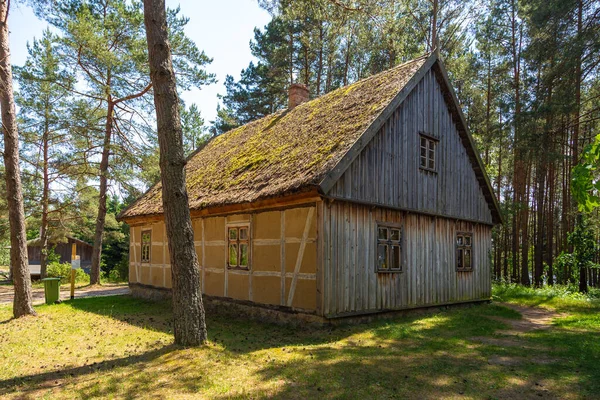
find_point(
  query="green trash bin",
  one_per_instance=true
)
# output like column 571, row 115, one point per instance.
column 51, row 289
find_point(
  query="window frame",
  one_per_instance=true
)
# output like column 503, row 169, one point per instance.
column 149, row 244
column 389, row 243
column 462, row 250
column 431, row 145
column 237, row 241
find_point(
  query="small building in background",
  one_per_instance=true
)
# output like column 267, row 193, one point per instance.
column 62, row 247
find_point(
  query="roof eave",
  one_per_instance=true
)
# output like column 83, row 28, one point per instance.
column 478, row 166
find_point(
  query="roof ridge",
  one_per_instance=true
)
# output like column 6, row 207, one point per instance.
column 333, row 92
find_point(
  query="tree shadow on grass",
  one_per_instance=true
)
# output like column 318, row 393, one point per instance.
column 48, row 380
column 240, row 335
column 435, row 358
column 236, row 333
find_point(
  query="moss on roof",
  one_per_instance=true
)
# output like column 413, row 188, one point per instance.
column 285, row 152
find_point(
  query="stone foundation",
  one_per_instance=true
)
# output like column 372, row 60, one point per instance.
column 286, row 315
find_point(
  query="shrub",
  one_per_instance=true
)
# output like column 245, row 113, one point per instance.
column 120, row 273
column 63, row 271
column 504, row 291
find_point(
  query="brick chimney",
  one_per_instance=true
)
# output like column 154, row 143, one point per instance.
column 298, row 94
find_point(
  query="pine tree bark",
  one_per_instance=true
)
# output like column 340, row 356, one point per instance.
column 101, row 216
column 188, row 311
column 22, row 303
column 45, row 201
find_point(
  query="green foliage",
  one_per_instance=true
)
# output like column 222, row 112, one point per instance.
column 194, row 132
column 4, row 254
column 584, row 244
column 63, row 271
column 115, row 246
column 52, row 256
column 564, row 265
column 555, row 294
column 585, row 184
column 120, row 273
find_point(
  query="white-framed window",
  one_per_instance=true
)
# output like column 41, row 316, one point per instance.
column 389, row 248
column 464, row 251
column 238, row 242
column 146, row 246
column 427, row 152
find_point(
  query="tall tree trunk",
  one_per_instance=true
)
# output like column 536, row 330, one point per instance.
column 188, row 312
column 539, row 245
column 488, row 113
column 19, row 264
column 320, row 60
column 519, row 222
column 347, row 57
column 550, row 224
column 525, row 280
column 101, row 217
column 306, row 67
column 582, row 271
column 434, row 32
column 505, row 266
column 291, row 64
column 45, row 195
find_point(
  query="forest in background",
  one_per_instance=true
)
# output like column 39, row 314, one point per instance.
column 525, row 72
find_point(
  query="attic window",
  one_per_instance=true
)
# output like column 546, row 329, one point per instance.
column 238, row 239
column 427, row 152
column 389, row 248
column 464, row 251
column 146, row 243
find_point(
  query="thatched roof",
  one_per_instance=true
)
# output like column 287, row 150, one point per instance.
column 289, row 151
column 305, row 148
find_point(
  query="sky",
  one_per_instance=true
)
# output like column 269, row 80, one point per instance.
column 222, row 28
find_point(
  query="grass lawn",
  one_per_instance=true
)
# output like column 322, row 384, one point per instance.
column 121, row 347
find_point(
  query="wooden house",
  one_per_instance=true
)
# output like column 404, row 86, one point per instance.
column 371, row 198
column 62, row 247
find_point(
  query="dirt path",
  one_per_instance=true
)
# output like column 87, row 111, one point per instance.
column 533, row 318
column 6, row 292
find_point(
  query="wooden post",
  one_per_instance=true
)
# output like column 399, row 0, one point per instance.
column 73, row 257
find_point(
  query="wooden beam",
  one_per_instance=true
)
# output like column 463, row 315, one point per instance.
column 282, row 256
column 406, row 209
column 309, row 196
column 135, row 263
column 309, row 218
column 164, row 245
column 203, row 257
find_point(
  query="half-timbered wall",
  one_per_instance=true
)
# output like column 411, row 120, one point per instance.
column 351, row 285
column 283, row 257
column 387, row 171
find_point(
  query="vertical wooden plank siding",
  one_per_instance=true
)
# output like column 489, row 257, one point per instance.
column 429, row 275
column 387, row 171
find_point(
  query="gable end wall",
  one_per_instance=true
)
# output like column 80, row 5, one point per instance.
column 387, row 172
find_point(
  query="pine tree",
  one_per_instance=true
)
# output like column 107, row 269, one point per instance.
column 103, row 40
column 188, row 312
column 42, row 99
column 22, row 303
